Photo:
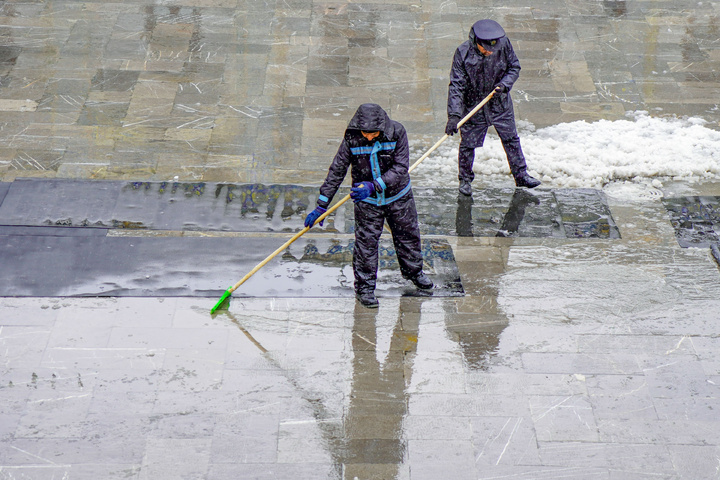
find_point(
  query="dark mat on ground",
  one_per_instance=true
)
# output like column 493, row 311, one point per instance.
column 696, row 220
column 61, row 266
column 509, row 212
column 563, row 213
column 4, row 187
column 52, row 231
column 715, row 250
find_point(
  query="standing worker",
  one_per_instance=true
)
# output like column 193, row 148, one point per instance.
column 483, row 64
column 377, row 150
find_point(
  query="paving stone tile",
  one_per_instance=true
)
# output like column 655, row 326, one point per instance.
column 693, row 461
column 584, row 364
column 543, row 472
column 466, row 387
column 23, row 345
column 505, row 441
column 683, row 377
column 569, row 418
column 643, row 431
column 262, row 471
column 60, row 451
column 467, row 405
column 437, row 458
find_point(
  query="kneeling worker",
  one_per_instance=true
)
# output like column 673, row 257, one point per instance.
column 377, row 150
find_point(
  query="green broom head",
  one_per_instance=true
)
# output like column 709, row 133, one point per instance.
column 224, row 300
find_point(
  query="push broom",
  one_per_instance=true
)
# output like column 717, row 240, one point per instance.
column 322, row 217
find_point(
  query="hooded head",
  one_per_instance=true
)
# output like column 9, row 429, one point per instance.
column 370, row 117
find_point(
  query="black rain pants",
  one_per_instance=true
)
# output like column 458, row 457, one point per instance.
column 473, row 136
column 401, row 216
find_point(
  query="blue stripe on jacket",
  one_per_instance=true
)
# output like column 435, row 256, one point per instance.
column 379, row 199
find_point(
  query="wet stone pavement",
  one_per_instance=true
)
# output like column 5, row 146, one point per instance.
column 228, row 90
column 584, row 344
column 575, row 358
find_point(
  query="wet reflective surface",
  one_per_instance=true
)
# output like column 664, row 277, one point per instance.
column 45, row 263
column 575, row 352
column 200, row 206
column 563, row 356
column 696, row 220
column 191, row 206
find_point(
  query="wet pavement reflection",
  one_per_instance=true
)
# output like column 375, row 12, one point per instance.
column 200, row 206
column 67, row 262
column 371, row 433
column 115, row 238
column 561, row 355
column 696, row 219
column 163, row 150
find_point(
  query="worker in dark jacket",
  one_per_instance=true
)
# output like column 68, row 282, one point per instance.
column 486, row 62
column 377, row 150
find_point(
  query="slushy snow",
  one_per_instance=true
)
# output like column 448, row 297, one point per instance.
column 641, row 149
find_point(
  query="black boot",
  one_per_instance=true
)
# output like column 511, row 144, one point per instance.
column 465, row 188
column 367, row 299
column 422, row 281
column 526, row 180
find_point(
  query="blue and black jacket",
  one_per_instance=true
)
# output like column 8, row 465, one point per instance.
column 383, row 161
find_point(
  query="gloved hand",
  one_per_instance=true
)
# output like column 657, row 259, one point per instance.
column 451, row 127
column 314, row 215
column 360, row 191
column 500, row 89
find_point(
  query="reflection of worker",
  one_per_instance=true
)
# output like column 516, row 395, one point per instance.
column 511, row 220
column 463, row 217
column 378, row 397
column 483, row 64
column 516, row 212
column 377, row 149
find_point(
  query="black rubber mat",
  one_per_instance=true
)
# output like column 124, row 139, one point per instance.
column 12, row 230
column 61, row 266
column 696, row 220
column 4, row 187
column 565, row 213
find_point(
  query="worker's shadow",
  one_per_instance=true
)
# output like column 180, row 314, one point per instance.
column 511, row 220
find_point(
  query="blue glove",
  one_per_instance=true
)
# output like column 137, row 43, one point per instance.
column 314, row 215
column 361, row 191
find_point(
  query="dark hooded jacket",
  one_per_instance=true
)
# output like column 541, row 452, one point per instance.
column 383, row 161
column 473, row 76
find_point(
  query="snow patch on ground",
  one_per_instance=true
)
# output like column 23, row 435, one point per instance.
column 639, row 150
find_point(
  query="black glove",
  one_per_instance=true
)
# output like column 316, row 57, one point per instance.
column 451, row 127
column 500, row 89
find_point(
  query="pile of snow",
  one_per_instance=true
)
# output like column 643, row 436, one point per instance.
column 641, row 149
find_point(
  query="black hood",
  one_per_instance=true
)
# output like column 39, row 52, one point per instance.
column 370, row 117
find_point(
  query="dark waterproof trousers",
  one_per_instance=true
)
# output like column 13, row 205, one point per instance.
column 401, row 216
column 473, row 136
